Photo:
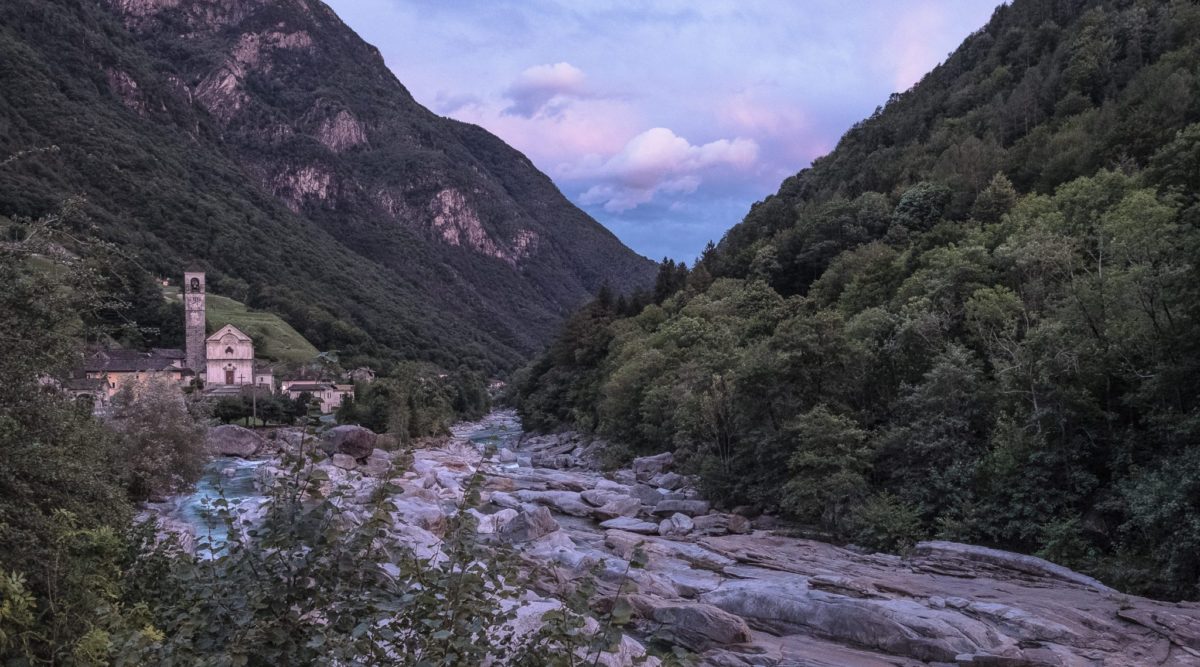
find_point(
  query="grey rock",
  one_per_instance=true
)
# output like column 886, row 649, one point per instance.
column 355, row 441
column 668, row 480
column 507, row 455
column 647, row 467
column 688, row 507
column 529, row 524
column 231, row 440
column 343, row 461
column 619, row 506
column 953, row 551
column 676, row 525
column 692, row 625
column 600, row 497
column 631, row 525
column 721, row 524
column 647, row 494
column 565, row 502
column 378, row 464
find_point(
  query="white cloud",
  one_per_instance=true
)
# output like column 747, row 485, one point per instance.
column 538, row 88
column 658, row 161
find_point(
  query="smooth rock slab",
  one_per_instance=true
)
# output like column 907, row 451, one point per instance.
column 566, row 502
column 692, row 625
column 632, row 525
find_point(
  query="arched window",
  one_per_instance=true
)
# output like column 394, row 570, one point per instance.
column 195, row 284
column 229, row 351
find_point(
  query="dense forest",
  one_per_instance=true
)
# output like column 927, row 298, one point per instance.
column 976, row 319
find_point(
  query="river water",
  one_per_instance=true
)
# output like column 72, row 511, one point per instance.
column 233, row 479
column 236, row 480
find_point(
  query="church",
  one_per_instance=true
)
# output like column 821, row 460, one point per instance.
column 226, row 358
column 223, row 362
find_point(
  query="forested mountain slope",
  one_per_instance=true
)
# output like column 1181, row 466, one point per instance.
column 265, row 139
column 977, row 318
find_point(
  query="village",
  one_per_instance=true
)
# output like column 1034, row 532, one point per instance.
column 220, row 365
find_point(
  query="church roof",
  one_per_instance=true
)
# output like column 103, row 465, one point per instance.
column 228, row 328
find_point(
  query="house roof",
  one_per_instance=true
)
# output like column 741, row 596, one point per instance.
column 129, row 361
column 309, row 386
column 227, row 329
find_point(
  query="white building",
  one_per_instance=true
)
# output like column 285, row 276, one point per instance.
column 229, row 356
column 329, row 396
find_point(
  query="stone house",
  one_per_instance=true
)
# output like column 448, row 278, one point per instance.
column 328, row 395
column 116, row 368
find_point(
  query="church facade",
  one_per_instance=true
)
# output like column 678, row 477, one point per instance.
column 228, row 357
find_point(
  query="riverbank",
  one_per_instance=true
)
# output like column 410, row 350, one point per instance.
column 739, row 595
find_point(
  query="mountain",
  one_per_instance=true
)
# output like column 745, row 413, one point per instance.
column 976, row 319
column 264, row 139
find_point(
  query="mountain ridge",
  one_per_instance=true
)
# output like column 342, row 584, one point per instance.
column 259, row 120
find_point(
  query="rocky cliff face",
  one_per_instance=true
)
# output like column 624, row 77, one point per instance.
column 314, row 112
column 264, row 138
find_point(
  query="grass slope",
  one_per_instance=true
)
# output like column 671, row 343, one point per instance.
column 274, row 339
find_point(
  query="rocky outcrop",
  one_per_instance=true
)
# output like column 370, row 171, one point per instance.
column 231, row 440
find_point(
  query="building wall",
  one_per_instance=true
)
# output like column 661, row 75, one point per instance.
column 114, row 380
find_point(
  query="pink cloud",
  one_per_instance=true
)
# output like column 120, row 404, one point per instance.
column 539, row 86
column 658, row 161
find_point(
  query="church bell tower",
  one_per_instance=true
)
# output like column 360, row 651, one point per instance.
column 193, row 304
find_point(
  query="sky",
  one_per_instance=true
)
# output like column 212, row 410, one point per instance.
column 665, row 120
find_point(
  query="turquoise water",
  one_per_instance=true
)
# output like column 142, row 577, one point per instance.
column 501, row 429
column 230, row 477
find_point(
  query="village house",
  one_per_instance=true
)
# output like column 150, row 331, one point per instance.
column 329, row 396
column 109, row 370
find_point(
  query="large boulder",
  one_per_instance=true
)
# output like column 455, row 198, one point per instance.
column 676, row 525
column 230, row 440
column 646, row 467
column 355, row 441
column 531, row 523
